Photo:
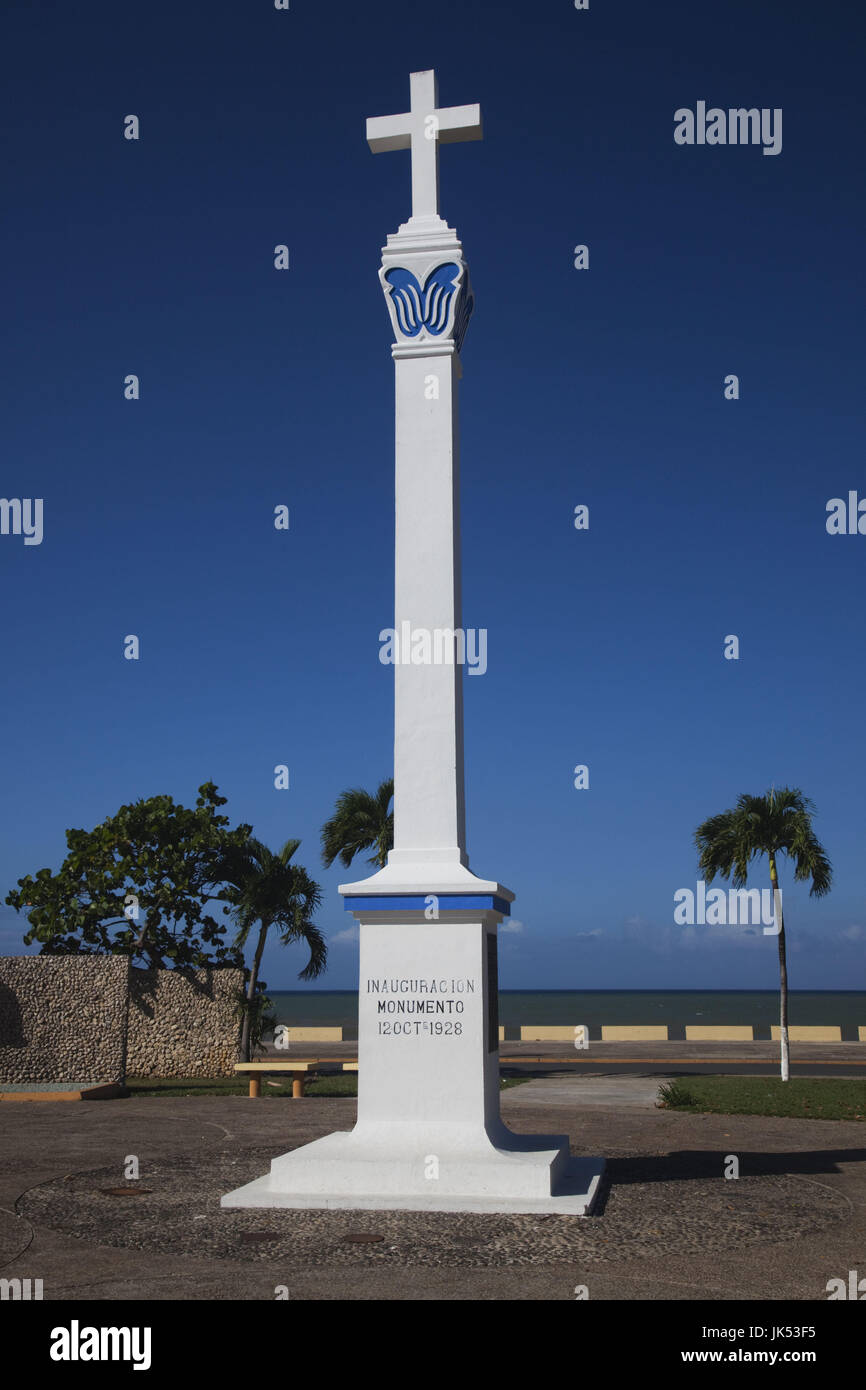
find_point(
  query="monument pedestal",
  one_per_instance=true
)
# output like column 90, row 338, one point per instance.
column 429, row 1135
column 358, row 1172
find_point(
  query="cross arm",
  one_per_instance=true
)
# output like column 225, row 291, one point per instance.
column 458, row 123
column 389, row 133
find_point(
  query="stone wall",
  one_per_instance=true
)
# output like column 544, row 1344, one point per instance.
column 183, row 1023
column 64, row 1018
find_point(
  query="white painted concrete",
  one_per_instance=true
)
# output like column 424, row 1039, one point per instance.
column 421, row 129
column 429, row 1134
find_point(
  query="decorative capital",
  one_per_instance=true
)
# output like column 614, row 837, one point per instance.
column 429, row 299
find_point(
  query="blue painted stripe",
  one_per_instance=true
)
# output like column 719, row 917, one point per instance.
column 417, row 902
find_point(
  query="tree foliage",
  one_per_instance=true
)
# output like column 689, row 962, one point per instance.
column 780, row 822
column 361, row 820
column 267, row 890
column 140, row 884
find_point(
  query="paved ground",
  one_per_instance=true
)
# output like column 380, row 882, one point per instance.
column 588, row 1092
column 670, row 1226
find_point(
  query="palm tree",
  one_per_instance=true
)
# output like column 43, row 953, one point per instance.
column 361, row 821
column 267, row 888
column 780, row 822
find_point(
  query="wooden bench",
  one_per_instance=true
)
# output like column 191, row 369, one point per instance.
column 298, row 1070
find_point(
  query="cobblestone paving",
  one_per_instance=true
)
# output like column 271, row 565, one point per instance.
column 652, row 1204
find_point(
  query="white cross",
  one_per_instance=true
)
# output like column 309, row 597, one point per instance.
column 421, row 129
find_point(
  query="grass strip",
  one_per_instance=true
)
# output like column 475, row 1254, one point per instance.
column 800, row 1098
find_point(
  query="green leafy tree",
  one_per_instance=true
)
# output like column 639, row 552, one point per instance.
column 360, row 821
column 268, row 890
column 777, row 823
column 140, row 884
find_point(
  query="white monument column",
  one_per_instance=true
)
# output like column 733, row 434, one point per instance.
column 429, row 1134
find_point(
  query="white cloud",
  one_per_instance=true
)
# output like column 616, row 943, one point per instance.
column 513, row 925
column 666, row 937
column 349, row 936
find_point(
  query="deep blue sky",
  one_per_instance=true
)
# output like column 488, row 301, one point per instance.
column 605, row 387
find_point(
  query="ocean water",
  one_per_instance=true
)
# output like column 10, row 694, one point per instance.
column 847, row 1008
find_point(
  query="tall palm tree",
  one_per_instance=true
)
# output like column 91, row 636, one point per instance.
column 267, row 889
column 361, row 821
column 780, row 822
